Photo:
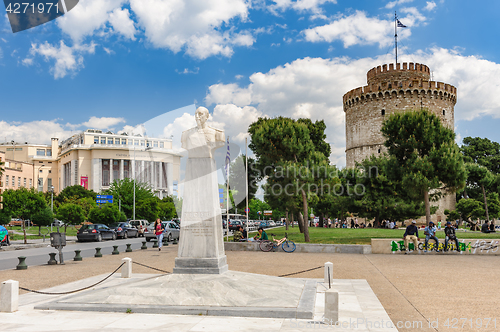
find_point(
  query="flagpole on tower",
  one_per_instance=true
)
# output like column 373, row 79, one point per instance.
column 396, row 35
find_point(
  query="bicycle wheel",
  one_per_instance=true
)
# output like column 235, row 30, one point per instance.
column 288, row 246
column 266, row 246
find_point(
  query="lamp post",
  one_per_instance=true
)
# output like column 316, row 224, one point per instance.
column 133, row 213
column 52, row 206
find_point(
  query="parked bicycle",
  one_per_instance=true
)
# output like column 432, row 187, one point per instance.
column 286, row 245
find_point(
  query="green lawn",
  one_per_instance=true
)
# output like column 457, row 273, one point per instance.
column 359, row 236
column 33, row 230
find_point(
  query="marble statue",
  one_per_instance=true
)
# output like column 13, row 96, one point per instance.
column 201, row 246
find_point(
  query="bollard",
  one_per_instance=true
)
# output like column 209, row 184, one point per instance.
column 78, row 257
column 328, row 274
column 165, row 244
column 115, row 250
column 52, row 260
column 9, row 296
column 331, row 306
column 22, row 264
column 127, row 267
column 129, row 247
column 175, row 241
column 155, row 243
column 144, row 246
column 98, row 252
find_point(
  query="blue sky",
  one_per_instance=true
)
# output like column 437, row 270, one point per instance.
column 116, row 64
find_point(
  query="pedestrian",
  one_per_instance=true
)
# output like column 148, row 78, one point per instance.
column 159, row 232
column 439, row 225
column 411, row 234
column 430, row 233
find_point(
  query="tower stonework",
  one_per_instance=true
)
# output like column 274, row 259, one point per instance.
column 392, row 89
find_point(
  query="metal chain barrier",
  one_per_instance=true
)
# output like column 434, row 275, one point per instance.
column 291, row 274
column 74, row 291
column 150, row 267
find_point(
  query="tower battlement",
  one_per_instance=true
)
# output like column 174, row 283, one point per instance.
column 417, row 69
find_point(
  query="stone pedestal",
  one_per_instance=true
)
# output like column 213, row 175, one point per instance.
column 9, row 296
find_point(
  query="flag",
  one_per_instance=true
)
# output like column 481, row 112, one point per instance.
column 401, row 25
column 228, row 154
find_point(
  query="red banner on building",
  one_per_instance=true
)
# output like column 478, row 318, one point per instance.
column 84, row 182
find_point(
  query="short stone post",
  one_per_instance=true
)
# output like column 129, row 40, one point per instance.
column 331, row 306
column 115, row 251
column 328, row 273
column 9, row 296
column 175, row 241
column 78, row 257
column 127, row 267
column 52, row 260
column 155, row 243
column 98, row 252
column 144, row 246
column 129, row 247
column 22, row 264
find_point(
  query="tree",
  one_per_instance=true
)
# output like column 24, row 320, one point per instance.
column 106, row 214
column 23, row 204
column 147, row 209
column 166, row 209
column 1, row 168
column 287, row 155
column 75, row 192
column 41, row 218
column 424, row 155
column 5, row 218
column 124, row 190
column 470, row 208
column 480, row 176
column 71, row 214
column 483, row 152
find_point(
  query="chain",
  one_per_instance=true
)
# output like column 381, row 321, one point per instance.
column 291, row 274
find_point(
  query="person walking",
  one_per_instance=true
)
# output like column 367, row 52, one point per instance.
column 411, row 234
column 430, row 233
column 159, row 232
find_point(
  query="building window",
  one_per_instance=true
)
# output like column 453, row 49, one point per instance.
column 117, row 141
column 10, row 149
column 50, row 171
column 25, row 182
column 6, row 180
column 103, row 140
column 96, row 139
column 130, row 142
column 142, row 143
column 124, row 141
column 31, row 183
column 105, row 172
column 19, row 182
column 378, row 150
column 49, row 183
column 126, row 169
column 19, row 149
column 110, row 140
column 67, row 174
column 383, row 112
column 444, row 112
column 40, row 152
column 155, row 144
column 136, row 142
column 162, row 145
column 13, row 181
column 49, row 153
column 116, row 170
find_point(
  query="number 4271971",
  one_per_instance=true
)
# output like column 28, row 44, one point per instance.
column 25, row 7
column 478, row 323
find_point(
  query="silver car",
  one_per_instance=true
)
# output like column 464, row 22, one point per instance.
column 172, row 231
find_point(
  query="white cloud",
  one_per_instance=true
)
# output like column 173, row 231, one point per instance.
column 108, row 51
column 103, row 122
column 358, row 29
column 121, row 22
column 392, row 4
column 194, row 26
column 67, row 59
column 313, row 6
column 188, row 71
column 430, row 5
column 34, row 132
column 235, row 120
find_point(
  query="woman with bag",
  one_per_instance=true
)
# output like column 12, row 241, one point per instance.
column 159, row 232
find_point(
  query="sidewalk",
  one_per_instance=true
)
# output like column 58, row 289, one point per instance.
column 33, row 243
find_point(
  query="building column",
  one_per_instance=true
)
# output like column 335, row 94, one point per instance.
column 122, row 169
column 143, row 173
column 170, row 178
column 95, row 179
column 132, row 169
column 111, row 171
column 160, row 174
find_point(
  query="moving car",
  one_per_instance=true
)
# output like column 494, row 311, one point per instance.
column 124, row 230
column 95, row 232
column 140, row 225
column 172, row 231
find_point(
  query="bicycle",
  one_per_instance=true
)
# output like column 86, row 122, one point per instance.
column 286, row 245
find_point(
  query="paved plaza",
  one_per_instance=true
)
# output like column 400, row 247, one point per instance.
column 415, row 290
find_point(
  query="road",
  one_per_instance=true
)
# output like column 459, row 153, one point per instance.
column 40, row 256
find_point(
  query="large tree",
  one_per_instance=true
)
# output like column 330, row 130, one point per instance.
column 23, row 204
column 483, row 152
column 106, row 214
column 75, row 192
column 424, row 155
column 124, row 190
column 480, row 177
column 287, row 153
column 71, row 214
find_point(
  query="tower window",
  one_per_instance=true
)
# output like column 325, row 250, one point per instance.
column 378, row 150
column 444, row 112
column 383, row 112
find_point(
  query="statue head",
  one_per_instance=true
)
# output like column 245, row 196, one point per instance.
column 201, row 116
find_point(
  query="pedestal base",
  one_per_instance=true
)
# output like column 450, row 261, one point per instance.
column 200, row 265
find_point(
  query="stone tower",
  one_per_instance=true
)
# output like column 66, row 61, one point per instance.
column 393, row 89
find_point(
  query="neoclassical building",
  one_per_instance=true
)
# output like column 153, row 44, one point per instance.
column 94, row 159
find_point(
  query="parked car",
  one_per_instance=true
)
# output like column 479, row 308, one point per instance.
column 57, row 223
column 95, row 232
column 172, row 231
column 234, row 224
column 140, row 225
column 124, row 230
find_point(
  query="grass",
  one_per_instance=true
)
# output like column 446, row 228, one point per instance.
column 359, row 236
column 32, row 232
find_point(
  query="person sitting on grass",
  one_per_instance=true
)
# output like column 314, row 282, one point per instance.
column 261, row 236
column 411, row 234
column 486, row 228
column 430, row 233
column 449, row 231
